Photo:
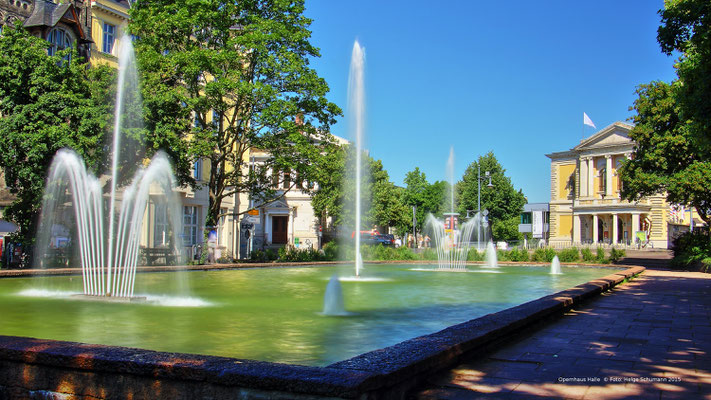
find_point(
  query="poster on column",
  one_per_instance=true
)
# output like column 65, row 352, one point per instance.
column 537, row 227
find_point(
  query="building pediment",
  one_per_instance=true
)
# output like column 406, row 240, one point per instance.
column 277, row 204
column 614, row 135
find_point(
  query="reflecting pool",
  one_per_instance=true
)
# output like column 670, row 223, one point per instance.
column 275, row 314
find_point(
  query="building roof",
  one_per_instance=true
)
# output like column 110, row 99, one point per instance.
column 616, row 127
column 536, row 207
column 615, row 134
column 48, row 14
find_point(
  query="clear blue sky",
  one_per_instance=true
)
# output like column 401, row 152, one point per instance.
column 512, row 77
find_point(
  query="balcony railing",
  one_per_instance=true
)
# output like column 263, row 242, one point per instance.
column 607, row 202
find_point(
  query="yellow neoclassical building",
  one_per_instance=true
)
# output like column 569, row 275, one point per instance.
column 108, row 21
column 586, row 207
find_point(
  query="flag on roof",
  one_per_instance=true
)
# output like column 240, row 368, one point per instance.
column 588, row 121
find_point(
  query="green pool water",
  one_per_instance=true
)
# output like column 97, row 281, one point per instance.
column 274, row 314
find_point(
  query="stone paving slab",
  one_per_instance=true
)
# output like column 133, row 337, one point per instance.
column 647, row 339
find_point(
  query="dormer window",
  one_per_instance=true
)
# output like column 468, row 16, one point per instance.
column 59, row 40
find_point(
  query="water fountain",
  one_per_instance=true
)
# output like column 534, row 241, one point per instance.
column 356, row 105
column 108, row 256
column 333, row 298
column 491, row 259
column 451, row 240
column 555, row 266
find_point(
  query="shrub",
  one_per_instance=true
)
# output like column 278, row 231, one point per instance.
column 706, row 264
column 600, row 256
column 569, row 255
column 691, row 249
column 502, row 255
column 292, row 254
column 588, row 255
column 616, row 255
column 387, row 253
column 475, row 255
column 429, row 254
column 404, row 253
column 518, row 255
column 544, row 254
column 330, row 251
column 258, row 255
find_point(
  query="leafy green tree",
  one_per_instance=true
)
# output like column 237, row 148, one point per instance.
column 222, row 78
column 686, row 28
column 428, row 198
column 672, row 128
column 502, row 200
column 381, row 198
column 386, row 208
column 330, row 175
column 47, row 103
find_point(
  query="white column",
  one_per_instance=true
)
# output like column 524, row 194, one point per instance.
column 576, row 229
column 635, row 226
column 591, row 177
column 614, row 229
column 608, row 176
column 594, row 228
column 583, row 177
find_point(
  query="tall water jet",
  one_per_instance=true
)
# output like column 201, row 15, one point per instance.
column 333, row 298
column 108, row 257
column 555, row 266
column 127, row 81
column 450, row 178
column 491, row 259
column 356, row 103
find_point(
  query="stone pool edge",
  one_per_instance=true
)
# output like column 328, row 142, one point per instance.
column 35, row 366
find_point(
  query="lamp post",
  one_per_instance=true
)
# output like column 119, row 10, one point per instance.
column 478, row 200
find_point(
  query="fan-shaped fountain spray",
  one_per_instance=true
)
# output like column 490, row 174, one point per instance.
column 452, row 240
column 108, row 256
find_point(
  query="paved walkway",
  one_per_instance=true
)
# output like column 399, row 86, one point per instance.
column 649, row 339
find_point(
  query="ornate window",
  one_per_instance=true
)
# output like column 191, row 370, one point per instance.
column 59, row 39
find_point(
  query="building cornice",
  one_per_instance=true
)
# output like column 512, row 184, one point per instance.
column 110, row 10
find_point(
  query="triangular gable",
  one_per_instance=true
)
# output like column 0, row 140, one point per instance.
column 614, row 135
column 278, row 204
column 71, row 17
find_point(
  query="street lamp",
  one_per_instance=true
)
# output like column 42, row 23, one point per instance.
column 486, row 175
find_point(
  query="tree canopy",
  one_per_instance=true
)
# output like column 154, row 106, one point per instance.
column 336, row 191
column 222, row 78
column 502, row 200
column 47, row 103
column 427, row 198
column 672, row 128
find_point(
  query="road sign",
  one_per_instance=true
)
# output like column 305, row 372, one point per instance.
column 253, row 211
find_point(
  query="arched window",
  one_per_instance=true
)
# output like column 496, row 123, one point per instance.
column 603, row 180
column 59, row 40
column 619, row 178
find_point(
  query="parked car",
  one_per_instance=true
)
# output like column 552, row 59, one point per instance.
column 366, row 237
column 385, row 239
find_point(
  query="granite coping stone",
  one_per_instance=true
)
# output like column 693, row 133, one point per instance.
column 176, row 366
column 373, row 372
